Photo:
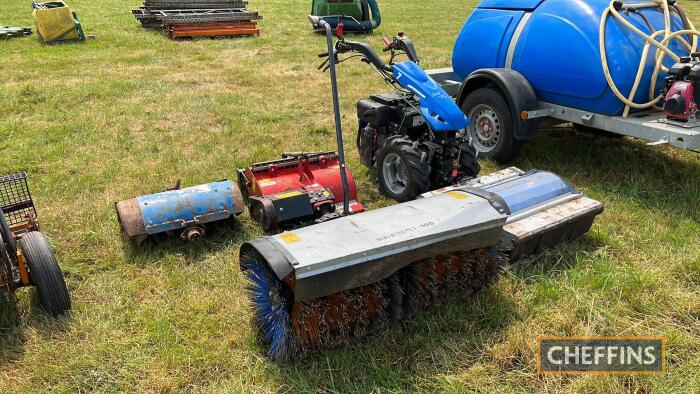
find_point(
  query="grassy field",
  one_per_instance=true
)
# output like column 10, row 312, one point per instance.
column 132, row 111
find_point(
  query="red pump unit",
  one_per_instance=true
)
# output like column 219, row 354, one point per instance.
column 300, row 187
column 683, row 91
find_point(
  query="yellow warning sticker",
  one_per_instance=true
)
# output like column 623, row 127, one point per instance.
column 267, row 182
column 290, row 237
column 287, row 195
column 458, row 195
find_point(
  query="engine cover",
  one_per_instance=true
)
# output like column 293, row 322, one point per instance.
column 382, row 110
column 680, row 101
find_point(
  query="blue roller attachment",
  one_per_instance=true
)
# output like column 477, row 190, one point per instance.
column 183, row 209
column 532, row 189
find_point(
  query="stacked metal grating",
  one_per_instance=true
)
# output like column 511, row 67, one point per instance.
column 199, row 18
column 14, row 31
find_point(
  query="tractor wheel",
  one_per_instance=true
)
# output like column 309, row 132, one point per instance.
column 365, row 145
column 491, row 126
column 45, row 273
column 7, row 236
column 469, row 162
column 403, row 170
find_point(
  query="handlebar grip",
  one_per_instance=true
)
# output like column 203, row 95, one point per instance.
column 387, row 44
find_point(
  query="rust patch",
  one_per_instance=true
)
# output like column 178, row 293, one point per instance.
column 237, row 199
column 130, row 217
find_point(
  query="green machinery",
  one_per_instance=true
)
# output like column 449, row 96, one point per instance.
column 55, row 22
column 355, row 15
column 347, row 8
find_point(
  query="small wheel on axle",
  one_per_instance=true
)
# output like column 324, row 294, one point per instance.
column 45, row 273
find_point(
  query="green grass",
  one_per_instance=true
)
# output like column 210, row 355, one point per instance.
column 131, row 112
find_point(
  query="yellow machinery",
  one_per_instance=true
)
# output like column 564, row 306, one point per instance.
column 55, row 22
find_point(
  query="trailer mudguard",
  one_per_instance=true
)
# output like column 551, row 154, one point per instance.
column 515, row 88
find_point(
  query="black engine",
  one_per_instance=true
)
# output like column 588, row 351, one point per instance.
column 385, row 115
column 393, row 121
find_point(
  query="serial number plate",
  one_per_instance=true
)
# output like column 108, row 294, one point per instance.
column 418, row 121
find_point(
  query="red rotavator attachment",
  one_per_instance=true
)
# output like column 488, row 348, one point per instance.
column 301, row 186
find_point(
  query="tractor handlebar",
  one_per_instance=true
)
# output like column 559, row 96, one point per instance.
column 366, row 50
column 401, row 43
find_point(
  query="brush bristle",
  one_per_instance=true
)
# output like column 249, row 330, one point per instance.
column 291, row 329
column 270, row 302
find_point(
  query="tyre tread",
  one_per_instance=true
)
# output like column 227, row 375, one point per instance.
column 418, row 169
column 45, row 272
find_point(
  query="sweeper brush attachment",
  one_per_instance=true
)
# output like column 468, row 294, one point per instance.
column 291, row 329
column 323, row 285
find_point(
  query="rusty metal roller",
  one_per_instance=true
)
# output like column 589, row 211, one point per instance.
column 183, row 211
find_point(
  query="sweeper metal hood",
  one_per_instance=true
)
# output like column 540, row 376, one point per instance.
column 358, row 250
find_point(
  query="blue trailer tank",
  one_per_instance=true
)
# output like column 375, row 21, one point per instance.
column 554, row 44
column 184, row 210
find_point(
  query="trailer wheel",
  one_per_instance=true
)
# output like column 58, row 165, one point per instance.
column 403, row 170
column 491, row 126
column 7, row 236
column 45, row 273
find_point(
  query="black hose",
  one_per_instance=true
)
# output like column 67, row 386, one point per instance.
column 646, row 20
column 684, row 18
column 338, row 125
column 366, row 14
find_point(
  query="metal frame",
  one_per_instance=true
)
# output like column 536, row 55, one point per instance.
column 648, row 125
column 16, row 201
column 14, row 31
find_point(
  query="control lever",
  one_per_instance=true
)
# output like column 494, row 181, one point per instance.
column 339, row 32
column 387, row 44
column 324, row 65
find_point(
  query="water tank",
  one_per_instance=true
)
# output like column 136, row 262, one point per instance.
column 555, row 45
